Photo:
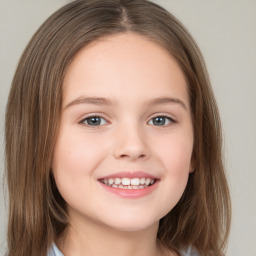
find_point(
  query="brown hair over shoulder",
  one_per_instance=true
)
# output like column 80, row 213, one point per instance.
column 37, row 212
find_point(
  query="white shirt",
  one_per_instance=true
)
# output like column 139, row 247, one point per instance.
column 54, row 251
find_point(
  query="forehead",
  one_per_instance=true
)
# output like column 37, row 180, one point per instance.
column 128, row 61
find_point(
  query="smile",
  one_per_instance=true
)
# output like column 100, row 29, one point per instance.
column 128, row 183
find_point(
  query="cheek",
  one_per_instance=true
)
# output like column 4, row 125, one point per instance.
column 76, row 153
column 175, row 153
column 75, row 158
column 177, row 160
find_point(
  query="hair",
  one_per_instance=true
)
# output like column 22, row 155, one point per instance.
column 37, row 212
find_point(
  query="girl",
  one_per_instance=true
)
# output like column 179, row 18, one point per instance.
column 113, row 139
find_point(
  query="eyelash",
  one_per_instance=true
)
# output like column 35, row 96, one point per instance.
column 96, row 118
column 90, row 118
column 169, row 119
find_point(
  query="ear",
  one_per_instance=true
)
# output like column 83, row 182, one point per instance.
column 192, row 165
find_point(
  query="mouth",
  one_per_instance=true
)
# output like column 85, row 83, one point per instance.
column 128, row 183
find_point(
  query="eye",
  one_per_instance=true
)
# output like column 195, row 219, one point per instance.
column 94, row 121
column 161, row 121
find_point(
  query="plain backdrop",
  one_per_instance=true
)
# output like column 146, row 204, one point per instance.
column 225, row 31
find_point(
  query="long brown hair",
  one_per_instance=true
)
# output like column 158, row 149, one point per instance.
column 37, row 212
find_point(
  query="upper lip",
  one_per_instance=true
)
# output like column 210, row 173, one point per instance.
column 130, row 175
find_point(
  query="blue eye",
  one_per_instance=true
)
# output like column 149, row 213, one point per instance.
column 161, row 121
column 94, row 121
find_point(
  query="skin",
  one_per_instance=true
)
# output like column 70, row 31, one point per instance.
column 131, row 74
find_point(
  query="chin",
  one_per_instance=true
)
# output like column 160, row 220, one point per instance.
column 132, row 223
column 135, row 227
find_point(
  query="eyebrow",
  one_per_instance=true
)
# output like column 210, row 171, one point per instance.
column 89, row 100
column 165, row 100
column 105, row 101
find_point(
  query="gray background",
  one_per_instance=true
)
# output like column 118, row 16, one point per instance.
column 226, row 33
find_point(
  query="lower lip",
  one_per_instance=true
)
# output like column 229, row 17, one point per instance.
column 131, row 193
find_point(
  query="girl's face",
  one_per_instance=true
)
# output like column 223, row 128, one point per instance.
column 123, row 152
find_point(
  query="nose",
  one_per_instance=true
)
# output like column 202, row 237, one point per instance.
column 130, row 143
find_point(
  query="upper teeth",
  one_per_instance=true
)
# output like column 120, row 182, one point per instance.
column 127, row 181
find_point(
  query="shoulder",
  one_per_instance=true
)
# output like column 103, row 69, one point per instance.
column 190, row 251
column 54, row 251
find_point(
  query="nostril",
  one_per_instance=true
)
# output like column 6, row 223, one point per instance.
column 129, row 149
column 133, row 156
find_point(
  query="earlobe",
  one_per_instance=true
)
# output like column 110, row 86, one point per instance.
column 192, row 166
column 191, row 170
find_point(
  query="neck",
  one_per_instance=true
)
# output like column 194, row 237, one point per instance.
column 94, row 239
